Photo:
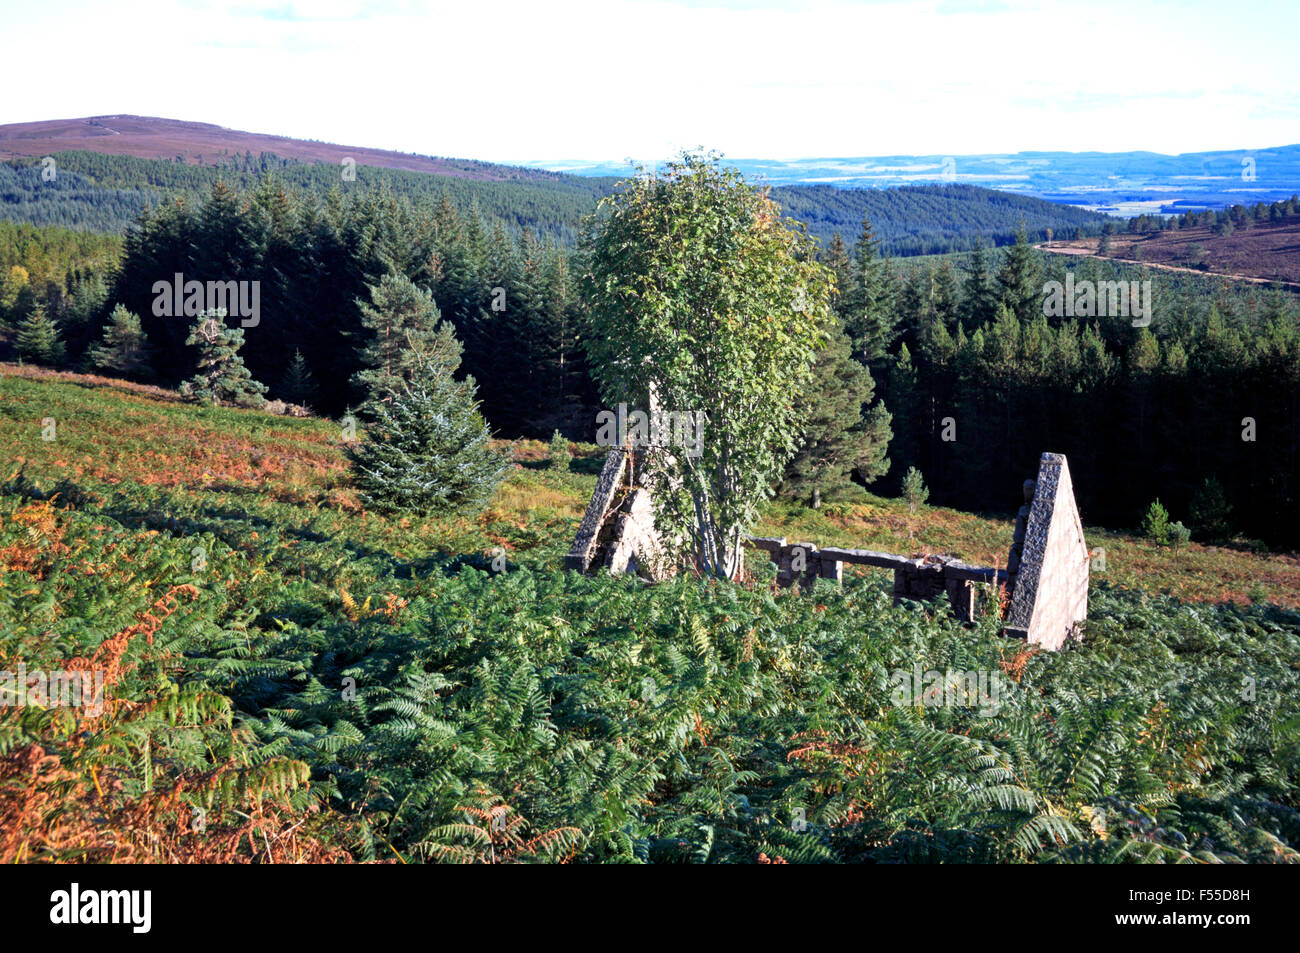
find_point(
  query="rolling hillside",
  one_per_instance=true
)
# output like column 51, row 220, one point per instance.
column 315, row 682
column 110, row 168
column 202, row 143
column 1266, row 251
column 156, row 439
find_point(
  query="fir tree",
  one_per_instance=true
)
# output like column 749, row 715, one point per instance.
column 124, row 349
column 427, row 448
column 843, row 434
column 38, row 339
column 221, row 374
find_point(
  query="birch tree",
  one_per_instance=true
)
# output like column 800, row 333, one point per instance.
column 699, row 292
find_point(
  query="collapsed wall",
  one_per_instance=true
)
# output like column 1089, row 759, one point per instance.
column 1046, row 575
column 617, row 531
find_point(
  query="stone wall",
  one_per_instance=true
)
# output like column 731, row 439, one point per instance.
column 618, row 528
column 1046, row 575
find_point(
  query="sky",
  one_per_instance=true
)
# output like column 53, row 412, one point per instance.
column 516, row 80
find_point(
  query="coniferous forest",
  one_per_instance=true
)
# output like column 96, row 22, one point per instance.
column 960, row 337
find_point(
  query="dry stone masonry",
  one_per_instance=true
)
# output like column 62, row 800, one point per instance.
column 618, row 529
column 1046, row 575
column 921, row 579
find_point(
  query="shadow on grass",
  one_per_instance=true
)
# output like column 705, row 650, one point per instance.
column 234, row 527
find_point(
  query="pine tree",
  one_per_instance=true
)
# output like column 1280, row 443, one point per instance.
column 426, row 448
column 38, row 339
column 558, row 453
column 914, row 489
column 1155, row 523
column 124, row 349
column 221, row 375
column 298, row 385
column 843, row 434
column 403, row 321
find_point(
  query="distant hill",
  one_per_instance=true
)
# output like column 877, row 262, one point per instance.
column 202, row 143
column 110, row 168
column 930, row 219
column 106, row 192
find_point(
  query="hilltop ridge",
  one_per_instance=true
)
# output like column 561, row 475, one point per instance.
column 153, row 137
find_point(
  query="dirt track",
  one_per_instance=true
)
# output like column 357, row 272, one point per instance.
column 1072, row 248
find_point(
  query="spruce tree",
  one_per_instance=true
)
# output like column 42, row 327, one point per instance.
column 555, row 347
column 980, row 298
column 1020, row 282
column 499, row 334
column 1209, row 512
column 868, row 307
column 427, row 448
column 298, row 385
column 843, row 434
column 38, row 339
column 946, row 296
column 906, row 401
column 221, row 374
column 86, row 299
column 124, row 349
column 836, row 258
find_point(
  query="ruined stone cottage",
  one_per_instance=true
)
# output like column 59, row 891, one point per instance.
column 1046, row 575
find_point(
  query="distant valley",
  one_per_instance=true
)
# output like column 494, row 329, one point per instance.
column 1118, row 183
